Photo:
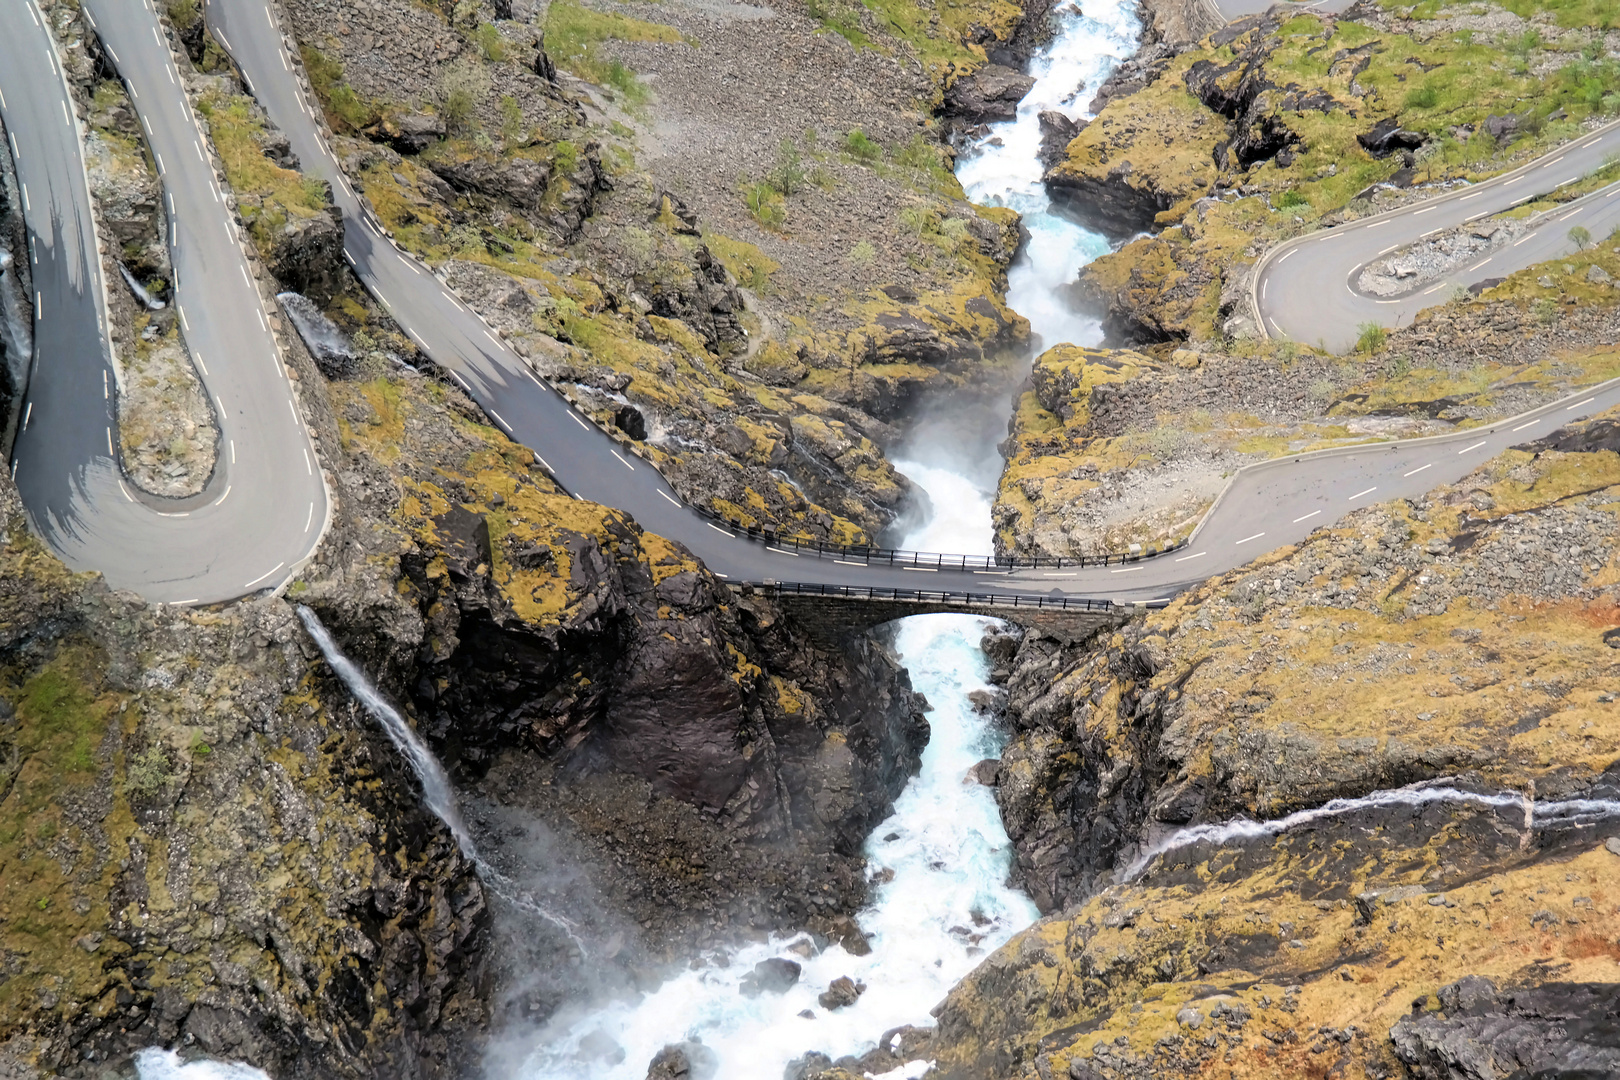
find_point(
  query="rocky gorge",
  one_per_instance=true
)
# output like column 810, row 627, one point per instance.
column 209, row 845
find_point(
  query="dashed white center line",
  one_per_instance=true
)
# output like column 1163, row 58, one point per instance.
column 1426, row 292
column 1528, row 423
column 1196, row 555
column 1246, row 539
column 1389, row 249
column 1591, row 142
column 1359, row 494
column 623, row 462
column 1125, row 570
column 1479, row 264
column 308, row 466
column 233, row 451
column 1578, row 404
column 109, row 443
column 1425, row 210
column 1475, row 195
column 1286, row 257
column 578, row 421
column 1522, row 239
column 1476, row 446
column 1307, row 517
column 1515, row 180
column 669, row 500
column 225, row 496
column 1419, row 469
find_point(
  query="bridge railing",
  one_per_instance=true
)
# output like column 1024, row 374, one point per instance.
column 938, row 596
column 871, row 555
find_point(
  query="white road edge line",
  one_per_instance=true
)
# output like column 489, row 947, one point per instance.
column 1124, row 569
column 1527, row 423
column 666, row 496
column 1198, row 555
column 1578, row 404
column 623, row 462
column 264, row 575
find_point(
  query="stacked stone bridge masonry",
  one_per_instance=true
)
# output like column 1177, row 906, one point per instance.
column 828, row 619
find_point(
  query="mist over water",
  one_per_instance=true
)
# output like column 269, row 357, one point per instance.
column 940, row 863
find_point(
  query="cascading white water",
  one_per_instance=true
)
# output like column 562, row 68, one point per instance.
column 1240, row 830
column 947, row 904
column 156, row 1064
column 436, row 790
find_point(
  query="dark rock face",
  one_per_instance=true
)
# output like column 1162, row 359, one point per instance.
column 1242, row 92
column 1057, row 131
column 706, row 300
column 628, row 419
column 520, row 181
column 307, row 256
column 410, row 133
column 774, row 976
column 1556, row 1030
column 1387, row 136
column 992, row 93
column 842, row 991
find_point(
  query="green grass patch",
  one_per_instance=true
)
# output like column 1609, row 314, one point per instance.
column 283, row 193
column 345, row 110
column 574, row 34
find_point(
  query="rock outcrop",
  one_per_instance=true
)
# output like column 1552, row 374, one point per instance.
column 1409, row 644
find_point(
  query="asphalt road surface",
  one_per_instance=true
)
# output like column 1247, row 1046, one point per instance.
column 265, row 506
column 1305, row 289
column 1265, row 506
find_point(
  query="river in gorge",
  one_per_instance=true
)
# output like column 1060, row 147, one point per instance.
column 947, row 904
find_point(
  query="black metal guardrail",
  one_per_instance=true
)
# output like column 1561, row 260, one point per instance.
column 855, row 592
column 879, row 556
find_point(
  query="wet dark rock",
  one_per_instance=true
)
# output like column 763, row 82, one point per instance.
column 330, row 347
column 1057, row 132
column 986, row 772
column 306, row 254
column 776, row 975
column 628, row 419
column 600, row 1046
column 990, row 94
column 684, row 1061
column 842, row 991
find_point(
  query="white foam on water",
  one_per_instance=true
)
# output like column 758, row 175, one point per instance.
column 155, row 1064
column 1086, row 49
column 946, row 906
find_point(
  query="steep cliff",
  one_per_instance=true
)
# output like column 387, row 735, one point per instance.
column 1463, row 640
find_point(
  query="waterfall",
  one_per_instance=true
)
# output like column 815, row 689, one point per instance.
column 436, row 790
column 329, row 346
column 1241, row 830
column 150, row 302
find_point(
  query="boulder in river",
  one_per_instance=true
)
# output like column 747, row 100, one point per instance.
column 843, row 991
column 774, row 976
column 689, row 1060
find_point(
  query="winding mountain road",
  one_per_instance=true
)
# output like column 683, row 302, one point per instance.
column 265, row 505
column 1306, row 288
column 1265, row 506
